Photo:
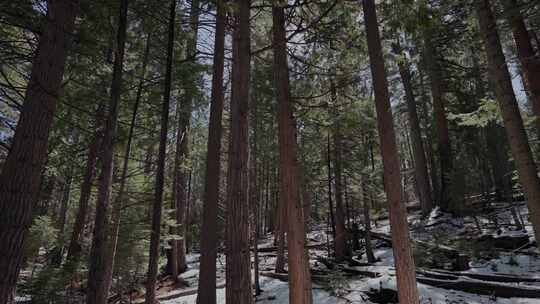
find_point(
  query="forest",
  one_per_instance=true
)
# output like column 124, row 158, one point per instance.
column 269, row 151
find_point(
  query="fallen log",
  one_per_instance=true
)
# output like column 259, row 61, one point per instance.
column 184, row 293
column 175, row 295
column 274, row 248
column 284, row 277
column 355, row 262
column 482, row 287
column 365, row 273
column 494, row 277
column 505, row 241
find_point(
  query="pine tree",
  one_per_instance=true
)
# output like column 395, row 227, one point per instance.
column 508, row 105
column 238, row 273
column 21, row 172
column 160, row 174
column 404, row 263
column 207, row 277
column 298, row 261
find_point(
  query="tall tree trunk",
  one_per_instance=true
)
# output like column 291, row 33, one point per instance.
column 330, row 201
column 75, row 245
column 160, row 174
column 21, row 172
column 182, row 148
column 281, row 223
column 254, row 196
column 444, row 147
column 178, row 258
column 340, row 240
column 62, row 218
column 189, row 205
column 306, row 195
column 496, row 144
column 97, row 283
column 298, row 261
column 420, row 164
column 530, row 61
column 367, row 200
column 510, row 112
column 404, row 263
column 119, row 200
column 238, row 276
column 207, row 277
column 428, row 147
column 267, row 199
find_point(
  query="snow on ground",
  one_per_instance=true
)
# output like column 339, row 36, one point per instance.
column 438, row 226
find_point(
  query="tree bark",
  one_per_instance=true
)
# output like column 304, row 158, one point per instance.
column 513, row 122
column 281, row 221
column 254, row 196
column 330, row 202
column 96, row 292
column 529, row 59
column 419, row 156
column 75, row 246
column 340, row 240
column 207, row 277
column 428, row 148
column 404, row 263
column 21, row 172
column 306, row 195
column 151, row 277
column 182, row 148
column 62, row 218
column 298, row 261
column 368, row 199
column 444, row 146
column 238, row 276
column 119, row 200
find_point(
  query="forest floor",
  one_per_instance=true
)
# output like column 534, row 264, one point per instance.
column 375, row 283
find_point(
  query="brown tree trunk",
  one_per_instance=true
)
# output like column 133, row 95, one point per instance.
column 530, row 61
column 267, row 200
column 119, row 200
column 497, row 147
column 340, row 240
column 21, row 172
column 368, row 199
column 96, row 292
column 404, row 263
column 179, row 191
column 151, row 277
column 444, row 147
column 298, row 261
column 75, row 246
column 189, row 217
column 420, row 164
column 254, row 196
column 306, row 195
column 238, row 276
column 281, row 223
column 62, row 218
column 182, row 148
column 510, row 112
column 330, row 201
column 428, row 147
column 207, row 277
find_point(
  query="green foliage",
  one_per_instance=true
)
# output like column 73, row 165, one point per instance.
column 488, row 111
column 49, row 286
column 42, row 235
